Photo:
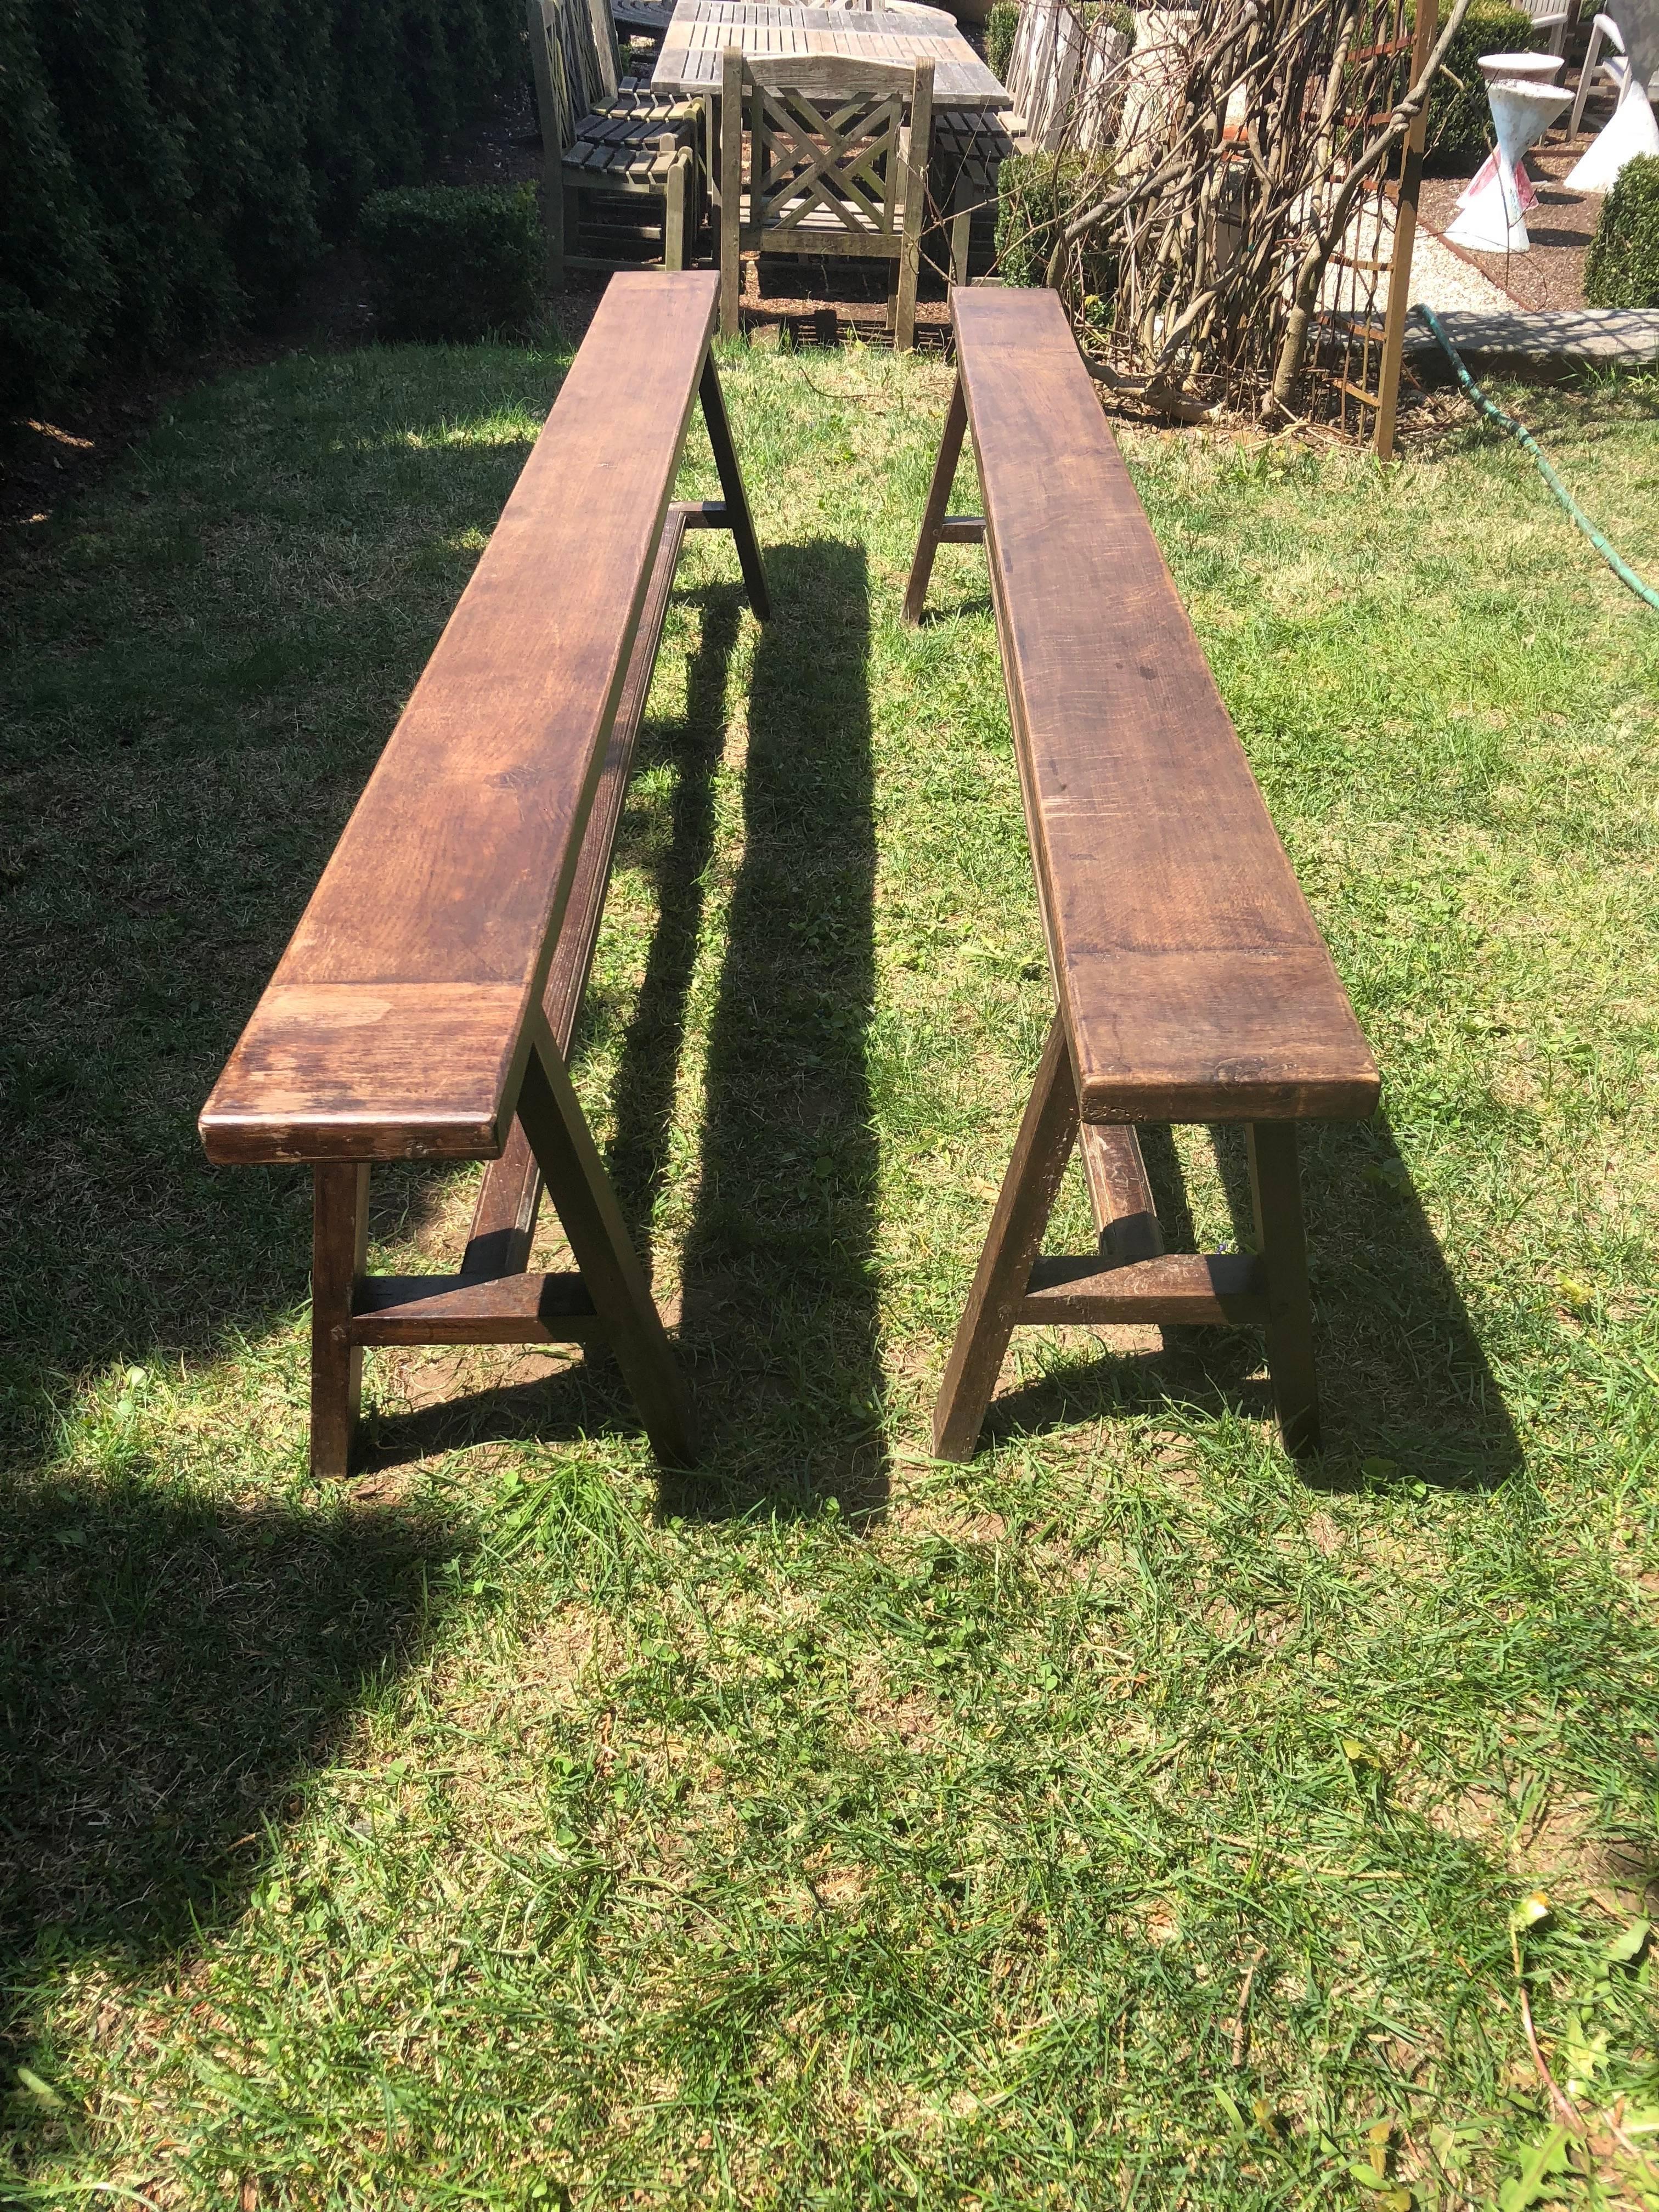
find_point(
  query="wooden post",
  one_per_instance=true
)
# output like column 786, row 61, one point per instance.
column 548, row 107
column 1012, row 1243
column 1276, row 1195
column 731, row 189
column 938, row 499
column 339, row 1246
column 1404, row 240
column 610, row 1272
column 917, row 149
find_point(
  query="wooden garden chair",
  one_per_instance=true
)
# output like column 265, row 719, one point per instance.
column 424, row 1007
column 620, row 177
column 838, row 166
column 1191, row 981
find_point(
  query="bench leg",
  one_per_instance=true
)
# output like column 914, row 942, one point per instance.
column 739, row 520
column 1276, row 1196
column 580, row 1191
column 1012, row 1243
column 339, row 1244
column 938, row 498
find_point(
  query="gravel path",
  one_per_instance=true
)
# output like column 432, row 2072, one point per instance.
column 1441, row 279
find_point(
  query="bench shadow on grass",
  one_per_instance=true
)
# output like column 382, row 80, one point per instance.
column 1403, row 1379
column 778, row 1306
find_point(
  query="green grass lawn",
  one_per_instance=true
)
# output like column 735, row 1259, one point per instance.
column 1127, row 1818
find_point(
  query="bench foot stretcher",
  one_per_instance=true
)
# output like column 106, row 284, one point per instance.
column 1131, row 1278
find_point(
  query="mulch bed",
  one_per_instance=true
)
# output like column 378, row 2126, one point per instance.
column 1561, row 228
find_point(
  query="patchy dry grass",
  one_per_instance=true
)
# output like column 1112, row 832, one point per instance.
column 1121, row 1820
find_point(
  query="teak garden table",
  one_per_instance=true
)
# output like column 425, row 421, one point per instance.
column 701, row 30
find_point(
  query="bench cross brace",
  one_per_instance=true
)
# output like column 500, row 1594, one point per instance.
column 494, row 1300
column 1131, row 1278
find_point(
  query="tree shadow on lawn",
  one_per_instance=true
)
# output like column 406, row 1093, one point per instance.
column 172, row 1671
column 1404, row 1384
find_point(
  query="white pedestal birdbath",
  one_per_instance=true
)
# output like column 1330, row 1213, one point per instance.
column 1492, row 220
column 1519, row 68
column 1633, row 130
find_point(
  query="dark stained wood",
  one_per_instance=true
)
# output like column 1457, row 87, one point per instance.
column 1178, row 1288
column 1012, row 1243
column 338, row 1243
column 473, row 1310
column 938, row 498
column 1193, row 981
column 394, row 1025
column 504, row 1220
column 577, row 1184
column 736, row 517
column 1125, row 1217
column 1276, row 1194
column 427, row 1002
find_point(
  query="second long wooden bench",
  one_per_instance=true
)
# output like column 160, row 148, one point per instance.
column 1191, row 981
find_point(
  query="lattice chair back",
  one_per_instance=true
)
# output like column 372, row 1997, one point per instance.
column 837, row 165
column 574, row 73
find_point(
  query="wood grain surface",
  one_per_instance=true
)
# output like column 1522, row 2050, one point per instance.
column 1193, row 981
column 426, row 943
column 701, row 30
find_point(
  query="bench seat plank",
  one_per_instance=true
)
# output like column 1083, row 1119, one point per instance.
column 1193, row 979
column 430, row 932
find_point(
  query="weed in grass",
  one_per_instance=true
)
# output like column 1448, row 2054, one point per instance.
column 1122, row 1819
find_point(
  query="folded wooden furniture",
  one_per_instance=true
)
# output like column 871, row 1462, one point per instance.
column 1191, row 981
column 620, row 181
column 424, row 1006
column 837, row 166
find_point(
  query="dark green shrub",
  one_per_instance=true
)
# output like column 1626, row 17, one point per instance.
column 1622, row 267
column 1460, row 120
column 167, row 167
column 56, row 290
column 453, row 262
column 1037, row 195
column 1000, row 27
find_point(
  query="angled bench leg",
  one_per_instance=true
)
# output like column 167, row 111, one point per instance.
column 338, row 1247
column 1012, row 1243
column 611, row 1270
column 1276, row 1196
column 737, row 518
column 938, row 527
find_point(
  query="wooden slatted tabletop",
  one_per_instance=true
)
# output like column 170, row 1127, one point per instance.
column 701, row 30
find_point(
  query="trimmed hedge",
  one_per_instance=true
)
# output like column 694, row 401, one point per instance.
column 171, row 166
column 1037, row 195
column 1622, row 267
column 1001, row 26
column 451, row 263
column 1460, row 118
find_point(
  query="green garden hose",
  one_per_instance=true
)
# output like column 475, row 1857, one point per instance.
column 1620, row 567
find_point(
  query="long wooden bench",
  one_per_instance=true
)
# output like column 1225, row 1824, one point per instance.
column 1192, row 983
column 424, row 1009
